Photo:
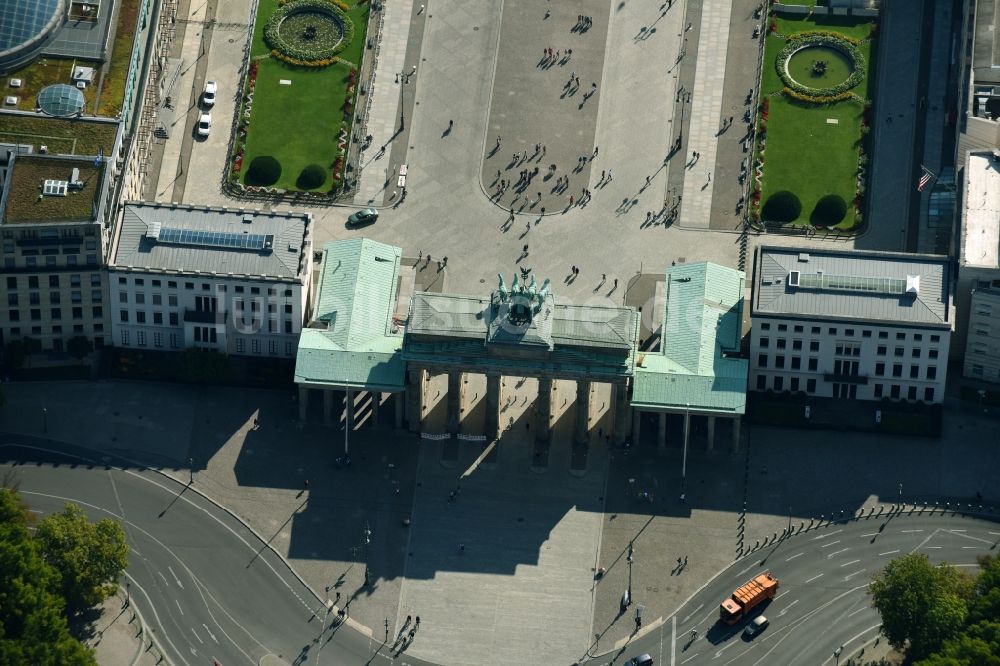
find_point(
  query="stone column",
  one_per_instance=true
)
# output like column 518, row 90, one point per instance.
column 582, row 429
column 415, row 398
column 543, row 411
column 327, row 406
column 349, row 408
column 622, row 410
column 661, row 441
column 492, row 406
column 303, row 403
column 711, row 432
column 736, row 433
column 454, row 401
column 400, row 400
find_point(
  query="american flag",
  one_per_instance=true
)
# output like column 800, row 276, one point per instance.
column 925, row 177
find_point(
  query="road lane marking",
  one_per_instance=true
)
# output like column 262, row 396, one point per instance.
column 673, row 641
column 933, row 547
column 197, row 636
column 176, row 579
column 824, row 536
column 794, row 556
column 814, row 578
column 210, row 632
column 910, row 531
column 968, row 547
column 847, row 564
column 165, row 581
column 994, row 533
column 888, row 552
column 837, row 552
column 179, row 606
column 868, row 535
column 863, row 608
column 832, row 543
column 850, row 576
column 956, row 530
column 786, row 608
column 688, row 617
column 748, row 569
column 689, row 658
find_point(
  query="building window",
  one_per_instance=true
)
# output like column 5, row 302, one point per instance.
column 929, row 394
column 911, row 393
column 810, row 386
column 173, row 319
column 157, row 298
column 932, row 353
column 880, row 369
column 197, row 333
column 272, row 347
column 814, row 345
column 813, row 364
column 157, row 339
column 36, row 314
column 798, row 329
column 794, row 384
column 779, row 383
column 123, row 316
column 156, row 283
column 54, row 281
column 762, row 360
column 139, row 282
column 894, row 392
column 171, row 284
column 900, row 336
column 14, row 315
column 189, row 285
column 915, row 352
column 97, row 312
column 899, row 351
column 288, row 349
column 796, row 362
column 866, row 334
column 122, row 280
column 95, row 280
column 761, row 382
column 123, row 297
column 832, row 331
column 140, row 338
column 158, row 318
column 54, row 298
column 878, row 390
column 797, row 345
column 98, row 328
column 917, row 337
column 96, row 296
column 255, row 346
column 914, row 372
column 255, row 290
column 12, row 299
column 76, row 296
column 77, row 313
column 241, row 346
column 935, row 338
column 982, row 330
column 288, row 326
column 288, row 308
column 125, row 336
column 781, row 343
column 765, row 343
column 238, row 289
column 849, row 332
column 779, row 361
column 931, row 372
column 815, row 330
column 897, row 369
column 205, row 286
column 174, row 344
column 12, row 283
column 140, row 317
column 172, row 300
column 782, row 327
column 140, row 299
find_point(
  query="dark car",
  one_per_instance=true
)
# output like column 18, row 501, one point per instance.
column 757, row 625
column 364, row 216
column 641, row 660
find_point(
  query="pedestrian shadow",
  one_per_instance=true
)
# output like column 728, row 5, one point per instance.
column 493, row 152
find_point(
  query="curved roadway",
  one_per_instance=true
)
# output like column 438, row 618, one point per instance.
column 207, row 587
column 822, row 600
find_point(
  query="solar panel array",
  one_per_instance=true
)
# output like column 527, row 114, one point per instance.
column 24, row 21
column 873, row 285
column 222, row 239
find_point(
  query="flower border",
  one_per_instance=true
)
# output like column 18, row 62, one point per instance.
column 273, row 39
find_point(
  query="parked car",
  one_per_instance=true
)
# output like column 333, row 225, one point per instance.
column 204, row 124
column 641, row 660
column 757, row 625
column 208, row 97
column 363, row 216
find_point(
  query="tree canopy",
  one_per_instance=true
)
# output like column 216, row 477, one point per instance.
column 33, row 628
column 90, row 556
column 920, row 603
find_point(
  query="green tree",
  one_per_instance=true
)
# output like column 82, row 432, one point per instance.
column 985, row 602
column 90, row 556
column 979, row 645
column 33, row 628
column 79, row 346
column 920, row 603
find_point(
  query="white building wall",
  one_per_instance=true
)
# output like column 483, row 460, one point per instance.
column 170, row 312
column 982, row 350
column 775, row 343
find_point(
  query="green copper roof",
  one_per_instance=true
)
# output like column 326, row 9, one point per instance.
column 702, row 318
column 351, row 341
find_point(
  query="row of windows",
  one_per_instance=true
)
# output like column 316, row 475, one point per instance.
column 200, row 305
column 55, row 314
column 205, row 286
column 849, row 332
column 35, row 234
column 32, row 262
column 777, row 383
column 897, row 371
column 9, row 248
column 55, row 281
column 173, row 319
column 55, row 298
column 844, row 348
column 845, row 367
column 203, row 335
column 78, row 329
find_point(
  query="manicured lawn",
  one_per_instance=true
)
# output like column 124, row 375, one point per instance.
column 299, row 124
column 812, row 150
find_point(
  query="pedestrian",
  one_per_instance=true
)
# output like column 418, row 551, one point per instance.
column 543, row 150
column 525, row 249
column 547, row 14
column 609, row 175
column 445, row 261
column 420, row 255
column 498, row 142
column 602, row 176
column 498, row 173
column 571, row 200
column 418, row 620
column 616, row 283
column 408, row 618
column 577, row 79
column 593, row 86
column 709, row 177
column 647, row 180
column 461, row 547
column 604, row 278
column 678, row 562
column 595, row 151
column 685, row 560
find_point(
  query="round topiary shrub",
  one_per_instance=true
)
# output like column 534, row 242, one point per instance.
column 311, row 177
column 263, row 171
column 781, row 206
column 829, row 210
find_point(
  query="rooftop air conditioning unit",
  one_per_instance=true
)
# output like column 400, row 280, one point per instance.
column 11, row 100
column 16, row 83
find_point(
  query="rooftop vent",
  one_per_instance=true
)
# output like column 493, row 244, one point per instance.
column 55, row 188
column 803, row 257
column 74, row 180
column 247, row 218
column 153, row 230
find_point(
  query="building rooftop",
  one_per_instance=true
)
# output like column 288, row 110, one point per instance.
column 696, row 366
column 353, row 340
column 62, row 136
column 981, row 226
column 852, row 285
column 42, row 189
column 199, row 239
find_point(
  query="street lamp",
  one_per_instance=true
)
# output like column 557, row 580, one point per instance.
column 191, row 470
column 789, row 521
column 402, row 82
column 631, row 551
column 367, row 534
column 836, row 653
column 686, row 99
column 347, row 421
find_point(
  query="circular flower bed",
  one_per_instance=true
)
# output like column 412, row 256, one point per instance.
column 833, row 40
column 309, row 31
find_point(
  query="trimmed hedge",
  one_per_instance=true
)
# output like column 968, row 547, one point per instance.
column 272, row 31
column 830, row 39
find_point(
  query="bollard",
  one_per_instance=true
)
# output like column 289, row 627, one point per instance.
column 870, row 512
column 810, row 524
column 801, row 525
